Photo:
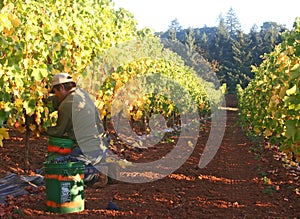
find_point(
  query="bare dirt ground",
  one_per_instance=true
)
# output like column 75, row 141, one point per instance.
column 244, row 180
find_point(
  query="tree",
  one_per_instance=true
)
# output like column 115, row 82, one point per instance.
column 202, row 44
column 174, row 27
column 190, row 39
column 254, row 44
column 242, row 61
column 232, row 23
column 231, row 50
column 221, row 50
column 270, row 36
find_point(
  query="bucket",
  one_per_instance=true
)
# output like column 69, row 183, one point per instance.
column 58, row 147
column 64, row 187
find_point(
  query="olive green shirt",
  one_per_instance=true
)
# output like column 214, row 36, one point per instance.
column 64, row 124
column 79, row 120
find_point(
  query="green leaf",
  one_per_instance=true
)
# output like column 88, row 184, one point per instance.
column 295, row 71
column 8, row 106
column 291, row 129
column 297, row 135
column 36, row 74
column 2, row 117
column 29, row 106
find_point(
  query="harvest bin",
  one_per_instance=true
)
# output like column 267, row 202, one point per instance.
column 64, row 187
column 58, row 147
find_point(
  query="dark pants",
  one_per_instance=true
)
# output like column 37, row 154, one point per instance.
column 91, row 174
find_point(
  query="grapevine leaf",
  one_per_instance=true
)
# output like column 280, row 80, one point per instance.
column 291, row 129
column 295, row 72
column 29, row 106
column 297, row 136
column 2, row 117
column 291, row 91
column 3, row 135
column 268, row 132
column 38, row 74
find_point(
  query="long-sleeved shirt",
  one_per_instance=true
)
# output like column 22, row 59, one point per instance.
column 79, row 120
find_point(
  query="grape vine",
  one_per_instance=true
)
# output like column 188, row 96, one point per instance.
column 270, row 105
column 40, row 39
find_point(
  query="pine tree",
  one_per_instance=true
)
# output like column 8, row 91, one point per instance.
column 270, row 36
column 174, row 28
column 232, row 23
column 254, row 43
column 190, row 40
column 242, row 61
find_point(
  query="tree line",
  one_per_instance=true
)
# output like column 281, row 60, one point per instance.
column 230, row 51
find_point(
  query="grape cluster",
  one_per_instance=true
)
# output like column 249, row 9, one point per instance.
column 64, row 159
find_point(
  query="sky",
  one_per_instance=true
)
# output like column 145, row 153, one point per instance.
column 158, row 14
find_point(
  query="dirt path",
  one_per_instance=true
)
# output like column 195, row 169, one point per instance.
column 234, row 177
column 242, row 181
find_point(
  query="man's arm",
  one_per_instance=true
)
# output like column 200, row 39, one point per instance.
column 54, row 101
column 61, row 126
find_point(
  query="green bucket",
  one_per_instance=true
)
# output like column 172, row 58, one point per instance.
column 58, row 147
column 64, row 187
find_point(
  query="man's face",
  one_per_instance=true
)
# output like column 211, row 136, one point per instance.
column 61, row 93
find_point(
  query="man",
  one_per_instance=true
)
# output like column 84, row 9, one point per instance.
column 79, row 120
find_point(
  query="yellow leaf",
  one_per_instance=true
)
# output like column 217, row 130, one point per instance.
column 268, row 133
column 125, row 163
column 190, row 144
column 14, row 20
column 297, row 191
column 46, row 109
column 293, row 164
column 137, row 115
column 8, row 32
column 22, row 129
column 19, row 103
column 77, row 178
column 256, row 130
column 118, row 84
column 32, row 127
column 102, row 113
column 3, row 135
column 292, row 90
column 109, row 160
